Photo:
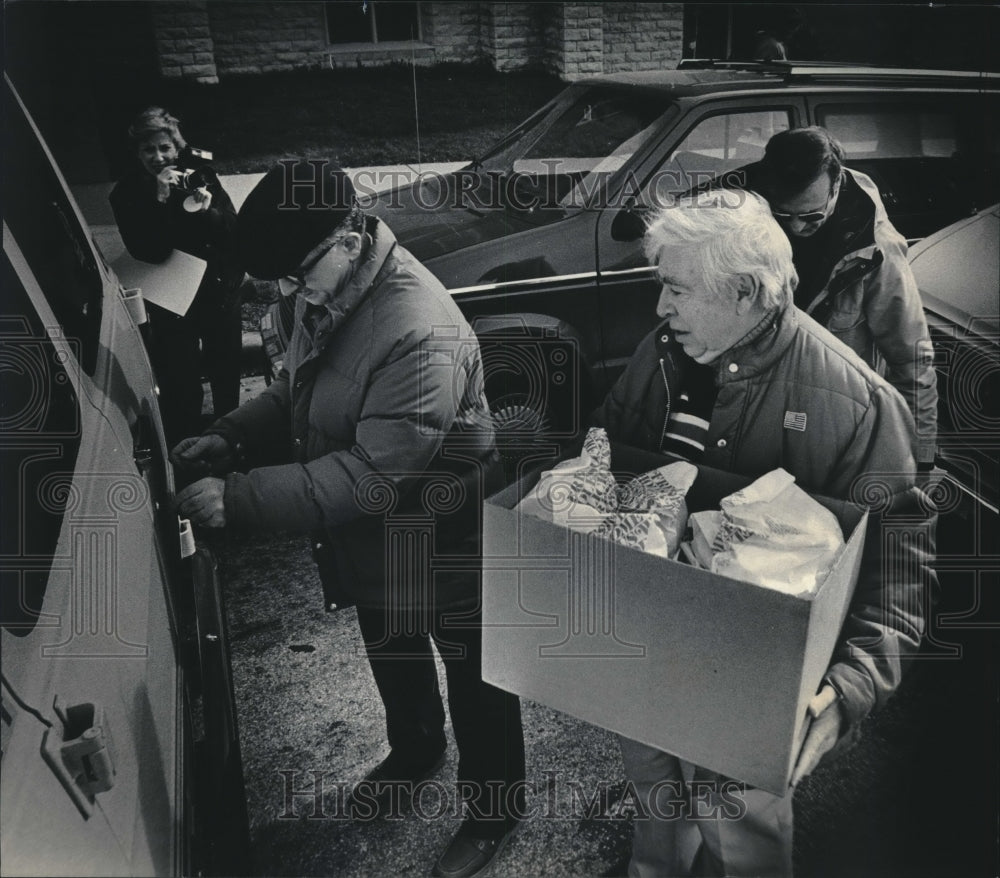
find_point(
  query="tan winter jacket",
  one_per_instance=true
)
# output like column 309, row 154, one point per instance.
column 378, row 434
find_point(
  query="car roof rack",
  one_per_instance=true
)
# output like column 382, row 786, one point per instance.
column 829, row 69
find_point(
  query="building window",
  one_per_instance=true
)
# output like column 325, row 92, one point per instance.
column 372, row 21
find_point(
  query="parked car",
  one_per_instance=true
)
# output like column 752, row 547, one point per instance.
column 958, row 272
column 120, row 752
column 537, row 239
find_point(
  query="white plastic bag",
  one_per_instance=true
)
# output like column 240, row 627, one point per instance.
column 705, row 527
column 652, row 512
column 579, row 493
column 774, row 534
column 648, row 513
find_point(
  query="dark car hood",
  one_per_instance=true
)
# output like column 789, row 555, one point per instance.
column 433, row 216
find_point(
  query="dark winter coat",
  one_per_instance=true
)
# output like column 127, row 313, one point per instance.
column 152, row 230
column 795, row 397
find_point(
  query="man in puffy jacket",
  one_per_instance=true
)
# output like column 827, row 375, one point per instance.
column 376, row 439
column 854, row 277
column 740, row 379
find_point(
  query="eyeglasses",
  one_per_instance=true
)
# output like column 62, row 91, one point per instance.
column 813, row 216
column 292, row 283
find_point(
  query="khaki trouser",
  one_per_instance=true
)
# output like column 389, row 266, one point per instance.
column 700, row 823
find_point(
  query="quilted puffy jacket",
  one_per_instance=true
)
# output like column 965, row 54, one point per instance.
column 375, row 438
column 796, row 397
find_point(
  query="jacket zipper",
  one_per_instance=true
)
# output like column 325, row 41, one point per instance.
column 666, row 414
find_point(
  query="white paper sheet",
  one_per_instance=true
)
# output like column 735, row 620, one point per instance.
column 171, row 284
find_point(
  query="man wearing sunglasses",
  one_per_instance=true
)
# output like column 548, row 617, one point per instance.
column 854, row 277
column 376, row 439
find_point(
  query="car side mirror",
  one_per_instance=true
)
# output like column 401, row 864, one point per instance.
column 629, row 224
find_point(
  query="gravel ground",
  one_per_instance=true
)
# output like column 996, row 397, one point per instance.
column 917, row 796
column 308, row 707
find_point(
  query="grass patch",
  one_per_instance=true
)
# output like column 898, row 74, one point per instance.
column 357, row 117
column 256, row 295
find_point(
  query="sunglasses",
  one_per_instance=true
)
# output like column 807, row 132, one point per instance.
column 813, row 216
column 292, row 283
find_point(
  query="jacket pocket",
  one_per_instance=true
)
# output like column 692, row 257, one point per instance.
column 842, row 321
column 847, row 292
column 858, row 337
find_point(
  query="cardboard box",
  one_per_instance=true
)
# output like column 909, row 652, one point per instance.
column 716, row 671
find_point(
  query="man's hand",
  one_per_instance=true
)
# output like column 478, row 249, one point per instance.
column 202, row 456
column 824, row 731
column 204, row 503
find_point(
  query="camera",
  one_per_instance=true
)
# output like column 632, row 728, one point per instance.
column 189, row 179
column 190, row 173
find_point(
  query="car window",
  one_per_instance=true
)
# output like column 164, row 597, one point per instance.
column 891, row 132
column 580, row 143
column 44, row 224
column 718, row 144
column 933, row 158
column 600, row 129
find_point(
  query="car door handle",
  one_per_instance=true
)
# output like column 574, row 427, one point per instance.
column 142, row 444
column 80, row 752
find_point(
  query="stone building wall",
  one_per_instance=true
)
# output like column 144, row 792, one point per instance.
column 205, row 39
column 184, row 44
column 514, row 35
column 588, row 39
column 580, row 40
column 264, row 37
column 642, row 36
column 455, row 30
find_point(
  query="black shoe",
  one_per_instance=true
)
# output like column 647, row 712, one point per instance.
column 388, row 786
column 468, row 854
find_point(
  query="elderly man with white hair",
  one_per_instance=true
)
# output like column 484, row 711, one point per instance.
column 738, row 378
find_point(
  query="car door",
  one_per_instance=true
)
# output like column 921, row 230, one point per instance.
column 958, row 273
column 710, row 138
column 92, row 764
column 103, row 671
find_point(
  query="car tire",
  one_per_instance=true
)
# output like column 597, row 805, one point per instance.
column 523, row 430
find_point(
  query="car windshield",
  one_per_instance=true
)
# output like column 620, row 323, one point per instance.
column 577, row 146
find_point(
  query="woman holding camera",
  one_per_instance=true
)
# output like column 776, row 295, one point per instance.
column 171, row 201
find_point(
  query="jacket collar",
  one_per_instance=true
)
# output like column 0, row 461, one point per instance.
column 371, row 268
column 377, row 260
column 370, row 264
column 852, row 224
column 751, row 355
column 760, row 348
column 666, row 344
column 668, row 350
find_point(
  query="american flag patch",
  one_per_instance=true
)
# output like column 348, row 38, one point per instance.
column 795, row 421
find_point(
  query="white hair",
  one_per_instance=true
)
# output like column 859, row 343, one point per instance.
column 731, row 233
